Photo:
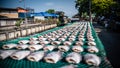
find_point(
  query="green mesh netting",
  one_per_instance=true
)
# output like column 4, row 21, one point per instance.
column 24, row 63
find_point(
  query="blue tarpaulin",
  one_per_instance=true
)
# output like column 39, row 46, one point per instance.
column 22, row 15
column 44, row 14
column 36, row 14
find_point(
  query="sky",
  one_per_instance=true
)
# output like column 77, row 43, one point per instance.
column 68, row 6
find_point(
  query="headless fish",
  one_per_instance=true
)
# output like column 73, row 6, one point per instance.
column 91, row 43
column 67, row 43
column 33, row 39
column 6, row 53
column 49, row 48
column 44, row 42
column 77, row 49
column 74, row 58
column 92, row 49
column 9, row 46
column 63, row 48
column 35, row 47
column 80, row 43
column 23, row 42
column 92, row 59
column 22, row 46
column 20, row 55
column 36, row 56
column 53, row 57
column 34, row 42
column 55, row 42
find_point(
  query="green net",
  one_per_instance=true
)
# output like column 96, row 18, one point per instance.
column 24, row 63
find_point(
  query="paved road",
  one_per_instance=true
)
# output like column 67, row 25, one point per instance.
column 111, row 42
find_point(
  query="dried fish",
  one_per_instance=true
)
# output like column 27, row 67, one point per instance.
column 22, row 46
column 35, row 47
column 63, row 48
column 67, row 43
column 36, row 56
column 20, row 55
column 92, row 59
column 91, row 43
column 92, row 49
column 74, row 58
column 9, row 46
column 49, row 48
column 53, row 57
column 23, row 42
column 6, row 53
column 77, row 49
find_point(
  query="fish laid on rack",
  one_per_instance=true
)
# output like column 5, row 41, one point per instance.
column 69, row 66
column 92, row 49
column 9, row 46
column 92, row 59
column 49, row 48
column 61, row 39
column 77, row 49
column 42, row 39
column 73, row 57
column 35, row 47
column 91, row 43
column 23, row 42
column 44, row 42
column 55, row 42
column 34, row 42
column 80, row 43
column 36, row 56
column 22, row 46
column 67, row 43
column 20, row 54
column 63, row 48
column 33, row 39
column 81, row 39
column 53, row 57
column 91, row 39
column 51, row 39
column 71, row 39
column 6, row 53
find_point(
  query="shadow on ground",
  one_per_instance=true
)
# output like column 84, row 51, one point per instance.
column 111, row 42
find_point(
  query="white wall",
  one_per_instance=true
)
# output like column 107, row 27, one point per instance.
column 7, row 22
column 2, row 23
column 39, row 17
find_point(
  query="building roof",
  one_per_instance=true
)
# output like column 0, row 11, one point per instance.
column 10, row 18
column 11, row 9
column 8, row 9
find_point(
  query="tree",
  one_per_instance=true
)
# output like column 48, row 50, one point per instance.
column 104, row 6
column 18, row 23
column 50, row 11
column 82, row 6
column 100, row 7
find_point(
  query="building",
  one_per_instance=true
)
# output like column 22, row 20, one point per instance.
column 8, row 13
column 9, row 16
column 43, row 15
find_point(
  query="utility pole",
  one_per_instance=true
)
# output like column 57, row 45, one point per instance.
column 90, row 13
column 25, row 14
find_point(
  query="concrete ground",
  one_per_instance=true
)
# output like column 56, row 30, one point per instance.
column 111, row 42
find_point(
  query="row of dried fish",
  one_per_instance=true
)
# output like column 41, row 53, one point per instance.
column 62, row 33
column 65, row 48
column 52, row 57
